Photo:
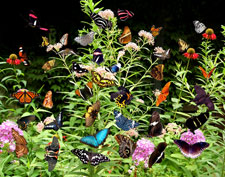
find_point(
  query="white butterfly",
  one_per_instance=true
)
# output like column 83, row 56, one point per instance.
column 199, row 27
column 86, row 39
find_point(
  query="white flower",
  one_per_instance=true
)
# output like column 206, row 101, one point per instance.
column 148, row 36
column 132, row 45
column 159, row 50
column 106, row 14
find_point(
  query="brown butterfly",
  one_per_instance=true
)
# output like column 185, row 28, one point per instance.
column 182, row 45
column 21, row 144
column 47, row 103
column 126, row 36
column 92, row 113
column 48, row 65
column 205, row 74
column 155, row 31
column 157, row 72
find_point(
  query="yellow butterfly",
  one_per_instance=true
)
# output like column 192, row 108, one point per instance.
column 100, row 81
column 182, row 45
column 45, row 41
column 48, row 65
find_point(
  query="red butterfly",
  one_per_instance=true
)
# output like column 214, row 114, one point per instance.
column 23, row 56
column 24, row 96
column 205, row 74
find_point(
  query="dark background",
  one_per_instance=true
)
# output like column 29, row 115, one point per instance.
column 175, row 16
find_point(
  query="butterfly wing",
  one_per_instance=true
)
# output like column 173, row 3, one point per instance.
column 126, row 36
column 23, row 56
column 201, row 95
column 157, row 72
column 197, row 148
column 163, row 55
column 124, row 14
column 203, row 72
column 77, row 68
column 98, row 56
column 208, row 102
column 64, row 39
column 96, row 158
column 184, row 147
column 52, row 125
column 48, row 65
column 182, row 45
column 24, row 121
column 199, row 27
column 155, row 31
column 102, row 82
column 210, row 73
column 101, row 136
column 33, row 20
column 45, row 41
column 48, row 103
column 30, row 96
column 91, row 114
column 164, row 93
column 90, row 140
column 101, row 22
column 155, row 127
column 86, row 39
column 82, row 155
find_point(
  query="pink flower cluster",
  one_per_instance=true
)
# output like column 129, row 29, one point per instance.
column 6, row 134
column 191, row 138
column 41, row 125
column 142, row 152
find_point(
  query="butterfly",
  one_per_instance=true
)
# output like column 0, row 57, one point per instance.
column 164, row 55
column 182, row 45
column 21, row 144
column 86, row 92
column 97, row 139
column 100, row 81
column 164, row 93
column 205, row 74
column 115, row 68
column 23, row 56
column 85, row 39
column 24, row 121
column 47, row 103
column 123, row 97
column 92, row 113
column 155, row 31
column 48, row 65
column 126, row 36
column 157, row 72
column 62, row 42
column 52, row 153
column 56, row 124
column 66, row 52
column 199, row 27
column 101, row 22
column 34, row 22
column 197, row 121
column 191, row 150
column 157, row 155
column 124, row 123
column 90, row 157
column 77, row 68
column 24, row 96
column 124, row 14
column 155, row 127
column 98, row 56
column 44, row 42
column 126, row 146
column 203, row 98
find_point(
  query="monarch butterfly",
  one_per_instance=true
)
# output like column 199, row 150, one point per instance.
column 24, row 96
column 126, row 36
column 164, row 93
column 155, row 31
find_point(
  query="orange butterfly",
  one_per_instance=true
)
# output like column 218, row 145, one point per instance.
column 155, row 31
column 164, row 93
column 47, row 103
column 23, row 56
column 25, row 96
column 126, row 36
column 205, row 74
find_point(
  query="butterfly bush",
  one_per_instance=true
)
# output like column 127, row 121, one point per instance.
column 191, row 138
column 6, row 134
column 148, row 36
column 142, row 152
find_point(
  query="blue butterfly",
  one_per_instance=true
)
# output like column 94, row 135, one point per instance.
column 97, row 139
column 124, row 123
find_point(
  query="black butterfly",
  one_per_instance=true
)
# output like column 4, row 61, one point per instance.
column 203, row 98
column 197, row 121
column 90, row 157
column 24, row 121
column 155, row 127
column 55, row 125
column 34, row 22
column 86, row 92
column 77, row 68
column 98, row 56
column 124, row 14
column 126, row 146
column 52, row 153
column 101, row 22
column 157, row 155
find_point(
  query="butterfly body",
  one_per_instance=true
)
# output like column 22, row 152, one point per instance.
column 191, row 150
column 48, row 103
column 124, row 14
column 97, row 139
column 23, row 56
column 182, row 45
column 98, row 56
column 24, row 121
column 85, row 39
column 157, row 155
column 101, row 22
column 52, row 153
column 92, row 113
column 126, row 36
column 90, row 157
column 100, row 81
column 21, row 144
column 157, row 72
column 126, row 146
column 199, row 27
column 155, row 31
column 155, row 127
column 55, row 125
column 205, row 74
column 86, row 92
column 164, row 93
column 124, row 123
column 24, row 96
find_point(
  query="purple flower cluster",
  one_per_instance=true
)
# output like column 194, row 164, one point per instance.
column 142, row 152
column 191, row 138
column 6, row 134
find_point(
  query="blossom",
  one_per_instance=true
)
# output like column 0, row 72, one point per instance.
column 120, row 54
column 142, row 152
column 6, row 134
column 159, row 50
column 40, row 126
column 191, row 138
column 190, row 54
column 140, row 101
column 105, row 74
column 156, row 92
column 13, row 60
column 148, row 36
column 132, row 45
column 173, row 128
column 209, row 34
column 106, row 14
column 132, row 132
